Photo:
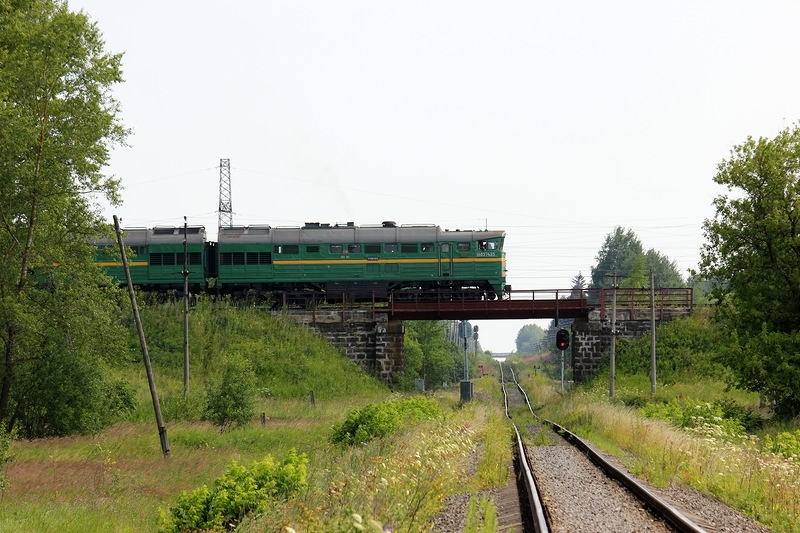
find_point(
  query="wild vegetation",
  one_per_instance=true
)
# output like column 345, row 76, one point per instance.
column 58, row 123
column 78, row 447
column 358, row 450
column 752, row 257
column 696, row 430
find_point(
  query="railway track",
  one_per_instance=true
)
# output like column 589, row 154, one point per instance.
column 569, row 486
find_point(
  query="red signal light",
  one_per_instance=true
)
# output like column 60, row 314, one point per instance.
column 562, row 339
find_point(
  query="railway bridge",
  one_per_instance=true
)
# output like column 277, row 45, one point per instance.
column 372, row 334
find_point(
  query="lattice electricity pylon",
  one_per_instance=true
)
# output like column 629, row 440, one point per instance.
column 225, row 205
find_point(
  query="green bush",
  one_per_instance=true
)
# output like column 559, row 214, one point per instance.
column 694, row 414
column 237, row 493
column 784, row 443
column 231, row 399
column 381, row 419
column 749, row 419
column 5, row 456
column 685, row 349
column 176, row 407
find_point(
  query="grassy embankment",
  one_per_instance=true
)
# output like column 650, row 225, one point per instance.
column 118, row 480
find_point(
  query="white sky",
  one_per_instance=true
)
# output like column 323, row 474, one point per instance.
column 555, row 121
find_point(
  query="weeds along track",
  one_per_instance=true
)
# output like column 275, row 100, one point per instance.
column 572, row 487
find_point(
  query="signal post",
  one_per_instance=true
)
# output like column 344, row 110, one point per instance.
column 562, row 343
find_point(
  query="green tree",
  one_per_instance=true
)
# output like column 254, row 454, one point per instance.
column 529, row 339
column 428, row 354
column 637, row 277
column 578, row 284
column 617, row 255
column 231, row 398
column 57, row 125
column 622, row 253
column 752, row 256
column 665, row 272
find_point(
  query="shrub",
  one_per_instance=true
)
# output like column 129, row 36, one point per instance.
column 686, row 348
column 5, row 456
column 692, row 414
column 748, row 418
column 785, row 443
column 236, row 494
column 176, row 407
column 381, row 419
column 231, row 400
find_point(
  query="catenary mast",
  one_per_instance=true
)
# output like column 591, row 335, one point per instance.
column 225, row 207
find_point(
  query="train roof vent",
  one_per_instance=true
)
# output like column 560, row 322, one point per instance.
column 389, row 224
column 163, row 230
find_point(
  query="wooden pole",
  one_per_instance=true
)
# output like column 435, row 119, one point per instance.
column 162, row 430
column 613, row 365
column 185, row 309
column 652, row 332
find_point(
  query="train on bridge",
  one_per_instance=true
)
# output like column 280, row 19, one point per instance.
column 362, row 262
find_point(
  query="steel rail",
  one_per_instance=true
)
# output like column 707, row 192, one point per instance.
column 534, row 498
column 661, row 507
column 668, row 512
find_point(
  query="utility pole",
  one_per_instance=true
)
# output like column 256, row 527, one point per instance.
column 162, row 430
column 652, row 332
column 185, row 309
column 225, row 203
column 612, row 377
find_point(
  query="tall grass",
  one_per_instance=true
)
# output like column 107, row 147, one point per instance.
column 118, row 480
column 289, row 359
column 729, row 465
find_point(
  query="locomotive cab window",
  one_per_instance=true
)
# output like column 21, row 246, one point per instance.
column 427, row 246
column 287, row 249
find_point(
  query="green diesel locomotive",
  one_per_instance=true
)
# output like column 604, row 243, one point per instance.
column 158, row 257
column 341, row 260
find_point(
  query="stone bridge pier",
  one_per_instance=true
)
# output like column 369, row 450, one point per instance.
column 370, row 339
column 591, row 337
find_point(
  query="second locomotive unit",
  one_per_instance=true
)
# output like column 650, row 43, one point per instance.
column 361, row 262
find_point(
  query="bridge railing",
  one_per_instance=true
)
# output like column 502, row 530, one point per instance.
column 632, row 300
column 636, row 302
